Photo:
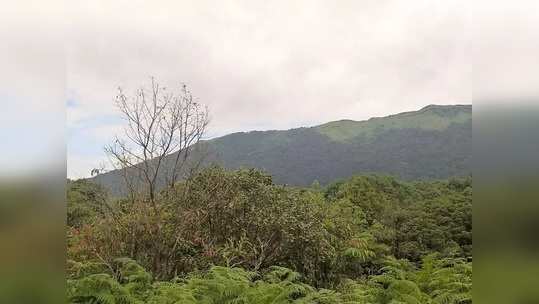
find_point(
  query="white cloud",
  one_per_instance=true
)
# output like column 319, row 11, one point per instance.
column 247, row 58
column 274, row 64
column 257, row 64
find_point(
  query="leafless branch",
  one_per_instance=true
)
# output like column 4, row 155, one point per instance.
column 158, row 123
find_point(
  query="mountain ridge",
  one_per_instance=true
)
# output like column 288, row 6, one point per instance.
column 430, row 143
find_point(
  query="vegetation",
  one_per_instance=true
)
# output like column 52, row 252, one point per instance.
column 184, row 235
column 433, row 117
column 224, row 236
column 432, row 143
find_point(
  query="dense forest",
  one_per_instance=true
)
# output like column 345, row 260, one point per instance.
column 236, row 236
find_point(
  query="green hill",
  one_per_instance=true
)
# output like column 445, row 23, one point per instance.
column 432, row 143
column 432, row 117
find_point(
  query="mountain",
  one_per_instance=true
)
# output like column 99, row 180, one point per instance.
column 432, row 143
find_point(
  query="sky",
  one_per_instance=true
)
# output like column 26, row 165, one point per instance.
column 257, row 65
column 262, row 65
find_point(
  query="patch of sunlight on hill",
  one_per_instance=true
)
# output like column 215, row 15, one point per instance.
column 429, row 118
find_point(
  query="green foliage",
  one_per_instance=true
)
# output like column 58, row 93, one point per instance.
column 84, row 201
column 236, row 237
column 218, row 285
column 413, row 219
column 219, row 217
column 432, row 143
column 429, row 118
column 437, row 281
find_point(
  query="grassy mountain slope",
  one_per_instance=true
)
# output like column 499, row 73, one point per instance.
column 432, row 117
column 434, row 142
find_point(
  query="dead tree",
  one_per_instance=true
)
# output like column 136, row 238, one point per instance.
column 159, row 123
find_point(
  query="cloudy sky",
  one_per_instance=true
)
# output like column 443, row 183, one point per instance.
column 265, row 64
column 258, row 65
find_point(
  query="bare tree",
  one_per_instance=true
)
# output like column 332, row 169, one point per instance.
column 159, row 122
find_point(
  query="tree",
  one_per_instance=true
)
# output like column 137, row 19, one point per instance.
column 84, row 201
column 368, row 239
column 159, row 122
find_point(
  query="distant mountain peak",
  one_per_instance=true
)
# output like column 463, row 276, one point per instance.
column 431, row 117
column 435, row 106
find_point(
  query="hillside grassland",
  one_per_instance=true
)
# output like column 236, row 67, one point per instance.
column 433, row 117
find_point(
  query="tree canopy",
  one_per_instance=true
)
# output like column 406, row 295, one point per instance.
column 225, row 236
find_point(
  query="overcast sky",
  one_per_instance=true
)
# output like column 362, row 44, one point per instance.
column 258, row 65
column 262, row 65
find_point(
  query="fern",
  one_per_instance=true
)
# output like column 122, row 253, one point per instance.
column 438, row 281
column 99, row 289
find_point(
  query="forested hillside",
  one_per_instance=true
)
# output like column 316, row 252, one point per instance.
column 432, row 143
column 236, row 236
